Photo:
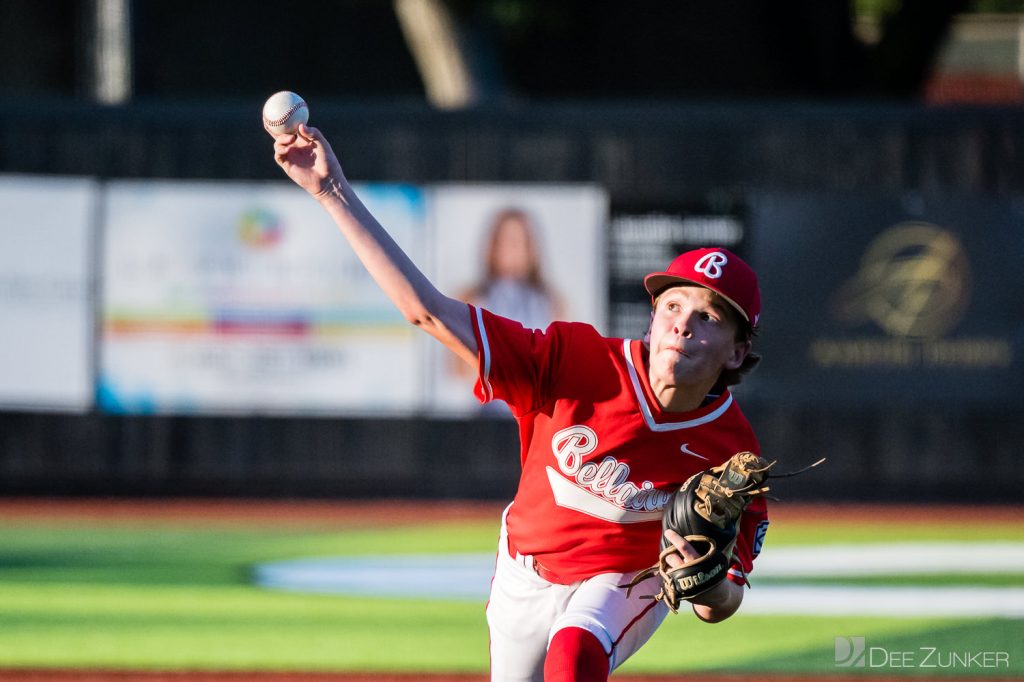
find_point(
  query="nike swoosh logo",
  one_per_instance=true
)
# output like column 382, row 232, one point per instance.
column 687, row 451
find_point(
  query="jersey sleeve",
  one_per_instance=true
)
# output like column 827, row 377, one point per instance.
column 516, row 364
column 753, row 527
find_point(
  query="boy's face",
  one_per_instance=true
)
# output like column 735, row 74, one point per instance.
column 693, row 337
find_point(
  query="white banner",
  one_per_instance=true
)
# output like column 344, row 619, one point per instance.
column 243, row 297
column 45, row 255
column 533, row 253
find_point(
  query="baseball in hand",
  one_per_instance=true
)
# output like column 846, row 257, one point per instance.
column 284, row 112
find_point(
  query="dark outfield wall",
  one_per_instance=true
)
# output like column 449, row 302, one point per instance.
column 888, row 241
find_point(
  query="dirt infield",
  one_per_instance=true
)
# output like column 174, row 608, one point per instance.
column 321, row 514
column 348, row 514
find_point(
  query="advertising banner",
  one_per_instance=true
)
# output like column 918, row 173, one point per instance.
column 872, row 300
column 645, row 238
column 533, row 253
column 243, row 297
column 45, row 292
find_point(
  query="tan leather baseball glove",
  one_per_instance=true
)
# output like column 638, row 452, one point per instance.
column 706, row 512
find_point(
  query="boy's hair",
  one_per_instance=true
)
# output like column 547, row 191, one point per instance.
column 744, row 332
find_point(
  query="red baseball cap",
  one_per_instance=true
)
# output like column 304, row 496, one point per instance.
column 717, row 269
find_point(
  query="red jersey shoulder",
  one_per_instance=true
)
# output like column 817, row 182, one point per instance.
column 528, row 367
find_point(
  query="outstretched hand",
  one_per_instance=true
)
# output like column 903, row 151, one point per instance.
column 307, row 158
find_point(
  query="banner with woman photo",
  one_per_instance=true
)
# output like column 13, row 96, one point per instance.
column 533, row 253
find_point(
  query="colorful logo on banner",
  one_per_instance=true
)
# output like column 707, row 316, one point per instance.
column 914, row 284
column 259, row 228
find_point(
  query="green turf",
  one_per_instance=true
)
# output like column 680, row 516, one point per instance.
column 198, row 556
column 154, row 596
column 945, row 530
column 232, row 627
column 807, row 644
column 906, row 580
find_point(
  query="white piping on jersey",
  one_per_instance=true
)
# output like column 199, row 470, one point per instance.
column 646, row 409
column 485, row 376
column 569, row 495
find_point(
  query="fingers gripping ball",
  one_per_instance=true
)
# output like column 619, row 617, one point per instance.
column 284, row 112
column 706, row 512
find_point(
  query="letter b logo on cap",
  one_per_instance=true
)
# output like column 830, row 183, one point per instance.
column 710, row 265
column 707, row 268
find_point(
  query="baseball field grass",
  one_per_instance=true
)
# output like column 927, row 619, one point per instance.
column 139, row 592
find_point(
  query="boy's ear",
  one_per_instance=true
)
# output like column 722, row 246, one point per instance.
column 740, row 350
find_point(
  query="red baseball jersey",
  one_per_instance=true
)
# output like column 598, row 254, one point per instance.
column 600, row 459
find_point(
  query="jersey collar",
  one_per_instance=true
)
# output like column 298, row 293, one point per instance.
column 635, row 353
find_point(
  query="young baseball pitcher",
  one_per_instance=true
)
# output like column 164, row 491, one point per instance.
column 609, row 430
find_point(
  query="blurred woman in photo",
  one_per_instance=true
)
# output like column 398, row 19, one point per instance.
column 513, row 285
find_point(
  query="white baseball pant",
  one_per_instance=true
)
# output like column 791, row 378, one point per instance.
column 525, row 611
